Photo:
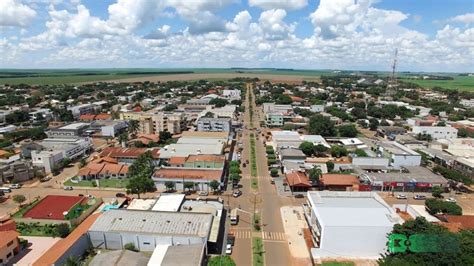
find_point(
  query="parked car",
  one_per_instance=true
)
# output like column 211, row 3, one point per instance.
column 45, row 179
column 402, row 196
column 419, row 197
column 203, row 193
column 299, row 196
column 451, row 200
column 120, row 195
column 236, row 193
column 68, row 188
column 243, row 165
column 15, row 186
column 272, row 181
column 228, row 250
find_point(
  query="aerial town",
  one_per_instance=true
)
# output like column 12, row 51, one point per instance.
column 236, row 133
column 238, row 172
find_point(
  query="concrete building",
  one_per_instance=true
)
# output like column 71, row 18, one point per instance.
column 317, row 108
column 469, row 103
column 49, row 160
column 231, row 94
column 71, row 148
column 9, row 246
column 348, row 224
column 400, row 155
column 436, row 132
column 214, row 124
column 82, row 109
column 42, row 114
column 274, row 119
column 109, row 128
column 148, row 229
column 16, row 172
column 155, row 122
column 73, row 130
column 179, row 176
column 465, row 166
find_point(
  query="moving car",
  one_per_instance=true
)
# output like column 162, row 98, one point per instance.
column 419, row 197
column 234, row 217
column 299, row 196
column 15, row 186
column 402, row 196
column 68, row 188
column 236, row 193
column 120, row 195
column 45, row 179
column 450, row 200
column 228, row 249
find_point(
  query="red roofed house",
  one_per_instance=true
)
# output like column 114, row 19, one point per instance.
column 107, row 170
column 53, row 207
column 298, row 181
column 339, row 182
column 9, row 246
column 146, row 139
column 128, row 155
column 200, row 177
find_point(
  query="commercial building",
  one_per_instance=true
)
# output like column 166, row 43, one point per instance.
column 48, row 160
column 339, row 182
column 167, row 255
column 129, row 155
column 108, row 128
column 201, row 178
column 231, row 94
column 147, row 229
column 400, row 155
column 465, row 166
column 274, row 119
column 436, row 132
column 82, row 109
column 410, row 178
column 9, row 246
column 214, row 124
column 74, row 130
column 348, row 224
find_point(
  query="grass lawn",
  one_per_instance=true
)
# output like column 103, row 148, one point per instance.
column 462, row 83
column 257, row 248
column 253, row 162
column 337, row 263
column 112, row 183
column 24, row 209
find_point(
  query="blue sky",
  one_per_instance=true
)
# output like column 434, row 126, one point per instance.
column 431, row 35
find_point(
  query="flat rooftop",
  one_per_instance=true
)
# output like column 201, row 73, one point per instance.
column 416, row 174
column 154, row 223
column 169, row 203
column 352, row 209
column 74, row 126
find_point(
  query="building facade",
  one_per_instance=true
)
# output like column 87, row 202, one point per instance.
column 214, row 124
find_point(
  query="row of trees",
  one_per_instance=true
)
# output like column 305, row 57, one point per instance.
column 322, row 125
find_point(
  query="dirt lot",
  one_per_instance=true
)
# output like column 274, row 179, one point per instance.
column 292, row 79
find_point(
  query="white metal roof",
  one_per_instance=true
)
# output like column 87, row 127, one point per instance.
column 169, row 203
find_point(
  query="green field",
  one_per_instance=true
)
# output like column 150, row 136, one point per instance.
column 462, row 83
column 56, row 80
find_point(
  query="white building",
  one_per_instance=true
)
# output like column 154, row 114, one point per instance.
column 214, row 124
column 47, row 159
column 400, row 155
column 231, row 94
column 317, row 108
column 436, row 132
column 82, row 109
column 349, row 224
column 469, row 103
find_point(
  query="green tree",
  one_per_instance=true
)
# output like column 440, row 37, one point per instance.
column 140, row 184
column 219, row 102
column 19, row 199
column 189, row 185
column 130, row 247
column 164, row 136
column 321, row 125
column 170, row 107
column 315, row 174
column 348, row 131
column 436, row 206
column 320, row 150
column 214, row 184
column 133, row 126
column 330, row 166
column 437, row 192
column 62, row 230
column 82, row 162
column 65, row 162
column 360, row 153
column 72, row 261
column 338, row 151
column 373, row 124
column 209, row 114
column 274, row 172
column 221, row 261
column 307, row 148
column 170, row 185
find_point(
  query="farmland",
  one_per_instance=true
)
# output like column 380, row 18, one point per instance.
column 463, row 83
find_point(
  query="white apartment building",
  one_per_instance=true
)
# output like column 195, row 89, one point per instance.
column 231, row 94
column 214, row 124
column 155, row 122
column 436, row 132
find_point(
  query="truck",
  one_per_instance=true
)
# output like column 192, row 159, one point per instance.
column 234, row 217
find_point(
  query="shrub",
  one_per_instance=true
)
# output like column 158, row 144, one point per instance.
column 436, row 206
column 131, row 247
column 274, row 172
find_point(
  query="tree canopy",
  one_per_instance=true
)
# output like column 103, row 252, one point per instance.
column 321, row 125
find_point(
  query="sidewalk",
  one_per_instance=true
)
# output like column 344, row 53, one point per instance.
column 293, row 223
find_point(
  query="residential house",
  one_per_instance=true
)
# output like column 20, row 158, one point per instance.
column 9, row 246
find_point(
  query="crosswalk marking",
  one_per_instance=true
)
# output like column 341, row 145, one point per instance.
column 265, row 177
column 274, row 236
column 243, row 234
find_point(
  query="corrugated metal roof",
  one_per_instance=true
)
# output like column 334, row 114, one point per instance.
column 155, row 223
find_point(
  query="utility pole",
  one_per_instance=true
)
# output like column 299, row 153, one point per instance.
column 392, row 80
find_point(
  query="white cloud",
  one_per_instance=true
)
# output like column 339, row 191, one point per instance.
column 273, row 26
column 14, row 13
column 279, row 4
column 467, row 18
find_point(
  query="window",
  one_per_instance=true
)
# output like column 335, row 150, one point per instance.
column 146, row 243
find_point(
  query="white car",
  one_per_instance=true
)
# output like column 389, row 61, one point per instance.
column 15, row 186
column 228, row 249
column 401, row 196
column 450, row 200
column 203, row 193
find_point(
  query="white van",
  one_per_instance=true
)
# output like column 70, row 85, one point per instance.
column 234, row 217
column 5, row 189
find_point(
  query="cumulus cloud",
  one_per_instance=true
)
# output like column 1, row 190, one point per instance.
column 273, row 26
column 279, row 4
column 14, row 13
column 467, row 18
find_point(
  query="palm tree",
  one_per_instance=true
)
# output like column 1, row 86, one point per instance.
column 133, row 126
column 123, row 138
column 315, row 174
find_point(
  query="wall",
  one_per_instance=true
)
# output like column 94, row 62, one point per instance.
column 77, row 249
column 405, row 160
column 370, row 161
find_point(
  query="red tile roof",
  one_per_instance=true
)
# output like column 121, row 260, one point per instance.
column 52, row 207
column 86, row 117
column 176, row 160
column 103, row 116
column 181, row 173
column 339, row 180
column 117, row 152
column 298, row 179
